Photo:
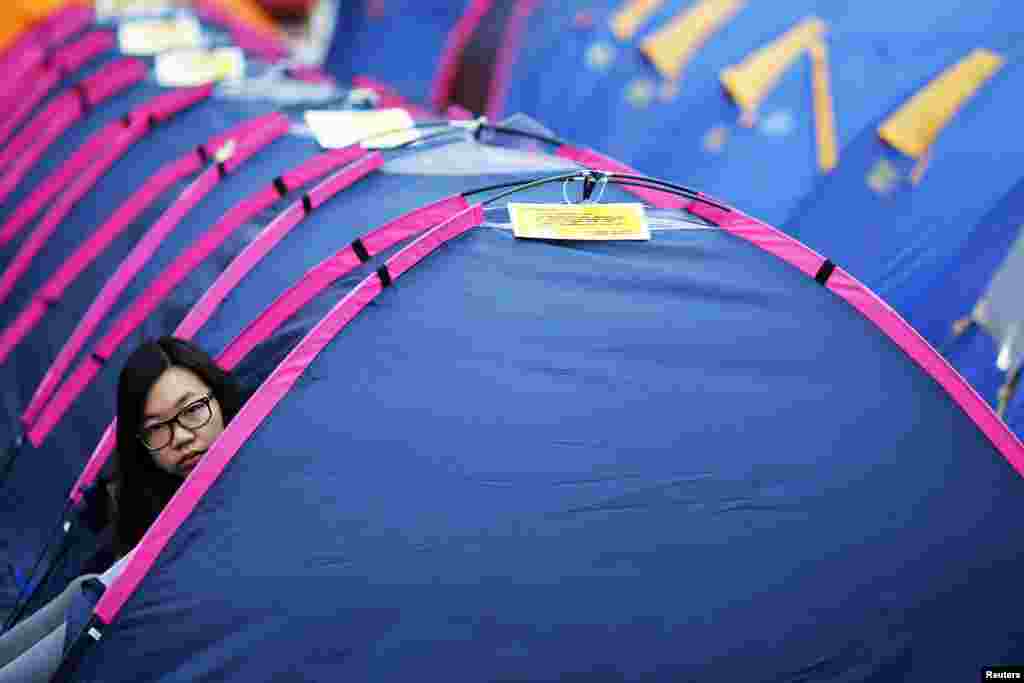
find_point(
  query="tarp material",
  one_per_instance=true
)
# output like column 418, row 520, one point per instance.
column 511, row 467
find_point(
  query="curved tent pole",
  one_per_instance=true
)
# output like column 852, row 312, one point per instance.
column 39, row 419
column 111, row 143
column 125, row 133
column 39, row 41
column 60, row 66
column 51, row 291
column 20, row 155
column 260, row 130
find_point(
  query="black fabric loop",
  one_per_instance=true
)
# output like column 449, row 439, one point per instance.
column 825, row 272
column 80, row 646
column 126, row 120
column 98, row 358
column 204, row 155
column 222, row 170
column 280, row 186
column 307, row 204
column 385, row 276
column 360, row 249
column 152, row 120
column 51, row 62
column 83, row 96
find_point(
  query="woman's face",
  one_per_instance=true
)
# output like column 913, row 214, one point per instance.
column 179, row 393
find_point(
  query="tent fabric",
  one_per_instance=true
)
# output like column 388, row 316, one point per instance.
column 127, row 132
column 903, row 239
column 22, row 372
column 360, row 46
column 620, row 104
column 248, row 25
column 325, row 273
column 902, row 225
column 506, row 453
column 244, row 273
column 251, row 140
column 31, row 143
column 67, row 448
column 519, row 478
column 43, row 79
column 41, row 478
column 30, row 39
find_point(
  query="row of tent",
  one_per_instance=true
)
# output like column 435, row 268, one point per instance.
column 914, row 108
column 713, row 454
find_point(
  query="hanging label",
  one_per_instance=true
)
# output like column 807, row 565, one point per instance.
column 599, row 222
column 153, row 36
column 191, row 68
column 116, row 9
column 376, row 129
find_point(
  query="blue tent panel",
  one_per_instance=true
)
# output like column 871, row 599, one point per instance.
column 537, row 461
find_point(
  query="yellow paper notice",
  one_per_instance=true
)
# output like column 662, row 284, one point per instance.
column 113, row 9
column 191, row 68
column 151, row 37
column 377, row 129
column 600, row 222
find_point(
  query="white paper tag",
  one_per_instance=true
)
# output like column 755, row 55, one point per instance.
column 191, row 68
column 116, row 9
column 377, row 129
column 153, row 36
column 596, row 222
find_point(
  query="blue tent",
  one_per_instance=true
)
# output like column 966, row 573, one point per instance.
column 688, row 129
column 534, row 460
column 399, row 43
column 472, row 456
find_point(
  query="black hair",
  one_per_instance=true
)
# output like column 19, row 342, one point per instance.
column 143, row 489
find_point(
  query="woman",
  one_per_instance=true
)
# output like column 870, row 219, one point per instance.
column 173, row 401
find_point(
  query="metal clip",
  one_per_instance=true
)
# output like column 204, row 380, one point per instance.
column 591, row 182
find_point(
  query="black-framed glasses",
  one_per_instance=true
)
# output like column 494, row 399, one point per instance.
column 192, row 417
